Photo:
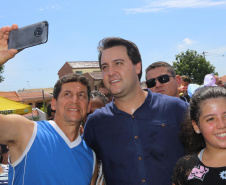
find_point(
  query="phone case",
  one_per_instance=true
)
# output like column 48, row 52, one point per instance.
column 28, row 36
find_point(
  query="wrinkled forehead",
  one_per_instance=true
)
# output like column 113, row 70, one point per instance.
column 74, row 86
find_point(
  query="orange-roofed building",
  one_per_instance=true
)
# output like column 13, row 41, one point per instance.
column 11, row 96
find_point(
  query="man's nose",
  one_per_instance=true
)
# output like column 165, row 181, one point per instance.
column 111, row 70
column 158, row 84
column 74, row 98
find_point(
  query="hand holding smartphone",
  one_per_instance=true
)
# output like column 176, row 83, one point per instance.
column 28, row 36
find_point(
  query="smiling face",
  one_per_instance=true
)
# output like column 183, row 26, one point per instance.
column 120, row 75
column 72, row 104
column 170, row 88
column 212, row 122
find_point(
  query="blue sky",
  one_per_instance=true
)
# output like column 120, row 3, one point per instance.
column 160, row 28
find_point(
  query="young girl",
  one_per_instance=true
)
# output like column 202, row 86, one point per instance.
column 204, row 133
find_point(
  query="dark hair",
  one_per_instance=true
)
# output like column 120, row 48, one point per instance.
column 160, row 64
column 132, row 49
column 224, row 85
column 186, row 78
column 4, row 148
column 71, row 77
column 195, row 142
column 49, row 111
column 100, row 85
column 98, row 94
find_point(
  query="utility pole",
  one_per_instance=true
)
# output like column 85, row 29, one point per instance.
column 44, row 102
column 28, row 84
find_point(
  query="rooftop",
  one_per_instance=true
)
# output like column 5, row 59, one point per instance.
column 84, row 64
column 96, row 75
column 46, row 90
column 33, row 95
column 11, row 96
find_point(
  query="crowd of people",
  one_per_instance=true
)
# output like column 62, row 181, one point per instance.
column 161, row 135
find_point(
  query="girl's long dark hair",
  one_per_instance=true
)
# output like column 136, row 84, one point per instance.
column 195, row 142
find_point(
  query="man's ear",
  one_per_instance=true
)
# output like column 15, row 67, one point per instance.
column 89, row 107
column 195, row 127
column 53, row 104
column 138, row 68
column 178, row 79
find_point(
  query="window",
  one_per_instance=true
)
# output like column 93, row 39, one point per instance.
column 78, row 72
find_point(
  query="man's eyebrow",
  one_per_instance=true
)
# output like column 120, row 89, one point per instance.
column 83, row 92
column 67, row 90
column 78, row 92
column 102, row 64
column 115, row 60
column 119, row 59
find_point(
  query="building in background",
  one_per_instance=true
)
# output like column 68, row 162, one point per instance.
column 90, row 69
column 94, row 79
column 35, row 98
column 12, row 95
column 79, row 67
column 46, row 90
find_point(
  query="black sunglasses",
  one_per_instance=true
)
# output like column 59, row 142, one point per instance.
column 162, row 79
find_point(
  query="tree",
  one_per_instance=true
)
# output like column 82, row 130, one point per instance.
column 1, row 71
column 194, row 65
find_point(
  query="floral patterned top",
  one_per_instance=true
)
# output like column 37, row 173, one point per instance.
column 189, row 170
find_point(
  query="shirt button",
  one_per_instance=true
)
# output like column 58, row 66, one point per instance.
column 143, row 180
column 136, row 137
column 140, row 158
column 132, row 116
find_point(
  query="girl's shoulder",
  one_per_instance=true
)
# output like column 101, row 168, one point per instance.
column 187, row 159
column 183, row 168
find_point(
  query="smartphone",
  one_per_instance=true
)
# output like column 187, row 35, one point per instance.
column 28, row 36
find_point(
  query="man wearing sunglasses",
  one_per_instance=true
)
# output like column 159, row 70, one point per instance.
column 161, row 78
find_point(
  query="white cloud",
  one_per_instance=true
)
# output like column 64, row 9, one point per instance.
column 186, row 42
column 218, row 51
column 49, row 7
column 160, row 5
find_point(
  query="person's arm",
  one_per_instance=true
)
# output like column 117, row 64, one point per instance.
column 6, row 54
column 15, row 131
column 94, row 178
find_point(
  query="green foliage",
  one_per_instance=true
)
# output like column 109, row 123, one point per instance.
column 36, row 118
column 1, row 71
column 194, row 65
column 44, row 107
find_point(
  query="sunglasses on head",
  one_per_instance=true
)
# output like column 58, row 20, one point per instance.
column 162, row 79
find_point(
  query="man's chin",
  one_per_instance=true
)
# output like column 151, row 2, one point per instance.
column 74, row 121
